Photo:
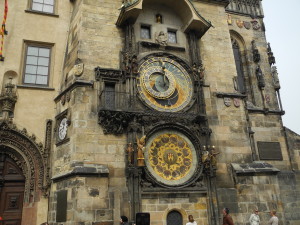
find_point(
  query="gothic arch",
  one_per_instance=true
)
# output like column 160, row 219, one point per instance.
column 29, row 155
column 239, row 44
column 179, row 210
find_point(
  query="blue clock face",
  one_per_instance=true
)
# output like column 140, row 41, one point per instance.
column 164, row 84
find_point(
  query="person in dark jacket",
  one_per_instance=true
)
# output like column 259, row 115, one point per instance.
column 124, row 220
column 227, row 220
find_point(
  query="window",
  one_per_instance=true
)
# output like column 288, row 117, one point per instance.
column 110, row 97
column 145, row 32
column 37, row 64
column 172, row 36
column 46, row 6
column 239, row 66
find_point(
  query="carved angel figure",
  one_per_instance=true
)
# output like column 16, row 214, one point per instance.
column 140, row 150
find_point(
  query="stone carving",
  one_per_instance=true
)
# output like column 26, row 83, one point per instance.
column 114, row 122
column 247, row 25
column 229, row 20
column 275, row 77
column 140, row 150
column 77, row 69
column 271, row 57
column 107, row 73
column 260, row 77
column 255, row 25
column 161, row 38
column 227, row 101
column 236, row 102
column 130, row 64
column 29, row 155
column 130, row 153
column 8, row 99
column 255, row 52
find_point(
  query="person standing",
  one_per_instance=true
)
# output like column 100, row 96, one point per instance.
column 191, row 221
column 227, row 220
column 254, row 218
column 274, row 218
column 124, row 220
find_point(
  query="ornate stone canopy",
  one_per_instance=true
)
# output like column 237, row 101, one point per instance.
column 190, row 17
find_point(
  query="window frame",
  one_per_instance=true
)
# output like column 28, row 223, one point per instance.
column 175, row 32
column 42, row 12
column 148, row 27
column 38, row 45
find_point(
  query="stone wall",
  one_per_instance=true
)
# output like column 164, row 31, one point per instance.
column 159, row 205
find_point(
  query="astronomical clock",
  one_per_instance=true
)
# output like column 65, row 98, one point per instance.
column 164, row 84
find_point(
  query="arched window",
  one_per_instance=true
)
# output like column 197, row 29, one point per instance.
column 174, row 218
column 240, row 79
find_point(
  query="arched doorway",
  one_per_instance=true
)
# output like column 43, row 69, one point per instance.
column 174, row 218
column 12, row 186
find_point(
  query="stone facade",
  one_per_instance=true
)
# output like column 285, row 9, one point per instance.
column 86, row 126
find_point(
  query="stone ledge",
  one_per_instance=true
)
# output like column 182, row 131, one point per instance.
column 257, row 167
column 83, row 169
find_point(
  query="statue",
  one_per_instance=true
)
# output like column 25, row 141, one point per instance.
column 198, row 71
column 134, row 65
column 275, row 77
column 130, row 151
column 140, row 150
column 158, row 18
column 161, row 38
column 271, row 57
column 260, row 77
column 209, row 158
column 256, row 55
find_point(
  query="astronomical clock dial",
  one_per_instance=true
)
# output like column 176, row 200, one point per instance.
column 62, row 129
column 164, row 84
column 170, row 157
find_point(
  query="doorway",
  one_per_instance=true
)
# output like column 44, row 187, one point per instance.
column 174, row 218
column 12, row 186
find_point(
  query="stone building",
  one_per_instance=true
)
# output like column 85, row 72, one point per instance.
column 171, row 108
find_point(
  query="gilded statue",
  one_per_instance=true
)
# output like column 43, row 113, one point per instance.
column 140, row 150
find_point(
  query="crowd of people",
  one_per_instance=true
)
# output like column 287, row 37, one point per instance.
column 227, row 219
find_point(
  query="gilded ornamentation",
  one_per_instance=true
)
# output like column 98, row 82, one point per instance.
column 240, row 23
column 170, row 156
column 229, row 20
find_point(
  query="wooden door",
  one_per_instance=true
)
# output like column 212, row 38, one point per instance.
column 12, row 184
